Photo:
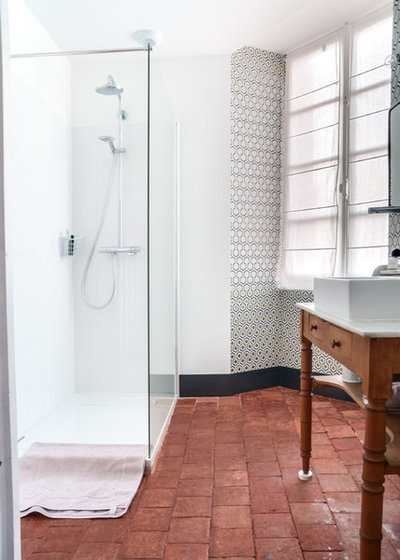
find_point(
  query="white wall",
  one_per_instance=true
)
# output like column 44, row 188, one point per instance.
column 199, row 92
column 39, row 176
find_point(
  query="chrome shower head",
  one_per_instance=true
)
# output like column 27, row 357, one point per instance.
column 110, row 142
column 110, row 88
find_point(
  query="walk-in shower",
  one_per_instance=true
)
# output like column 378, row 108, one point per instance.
column 94, row 326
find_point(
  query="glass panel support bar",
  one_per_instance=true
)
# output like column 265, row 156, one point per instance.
column 73, row 53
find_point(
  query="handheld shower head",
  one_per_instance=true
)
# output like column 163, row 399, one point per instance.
column 110, row 142
column 110, row 88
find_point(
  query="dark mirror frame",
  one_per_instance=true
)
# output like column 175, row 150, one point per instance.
column 390, row 208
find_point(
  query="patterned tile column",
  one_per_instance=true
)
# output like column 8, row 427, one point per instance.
column 264, row 319
column 258, row 80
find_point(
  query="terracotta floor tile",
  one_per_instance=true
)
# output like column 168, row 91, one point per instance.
column 157, row 497
column 97, row 551
column 28, row 546
column 195, row 487
column 231, row 496
column 311, row 514
column 232, row 542
column 186, row 552
column 390, row 511
column 337, row 483
column 163, row 480
column 323, row 451
column 266, row 484
column 231, row 517
column 50, row 556
column 186, row 401
column 292, row 460
column 319, row 537
column 197, row 470
column 169, row 464
column 192, row 507
column 106, row 530
column 189, row 530
column 328, row 466
column 60, row 539
column 229, row 463
column 219, row 468
column 325, row 555
column 351, row 456
column 264, row 468
column 274, row 525
column 341, row 444
column 148, row 519
column 143, row 544
column 229, row 437
column 304, row 492
column 321, row 439
column 344, row 502
column 81, row 523
column 352, row 548
column 278, row 549
column 229, row 449
column 34, row 527
column 201, row 444
column 173, row 450
column 348, row 524
column 201, row 433
column 262, row 502
column 231, row 478
column 340, row 431
column 200, row 457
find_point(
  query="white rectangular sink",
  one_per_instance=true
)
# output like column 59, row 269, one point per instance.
column 359, row 299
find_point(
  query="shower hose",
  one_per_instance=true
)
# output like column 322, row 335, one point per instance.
column 94, row 245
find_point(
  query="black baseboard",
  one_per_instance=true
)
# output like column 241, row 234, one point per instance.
column 224, row 385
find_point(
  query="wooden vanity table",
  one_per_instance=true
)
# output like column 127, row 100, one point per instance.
column 372, row 350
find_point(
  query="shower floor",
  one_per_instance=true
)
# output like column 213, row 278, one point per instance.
column 99, row 418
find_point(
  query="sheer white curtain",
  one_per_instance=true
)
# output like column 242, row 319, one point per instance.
column 367, row 241
column 317, row 157
column 312, row 128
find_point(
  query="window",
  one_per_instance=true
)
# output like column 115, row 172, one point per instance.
column 338, row 96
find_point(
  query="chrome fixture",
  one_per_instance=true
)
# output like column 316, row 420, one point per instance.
column 110, row 142
column 147, row 38
column 110, row 88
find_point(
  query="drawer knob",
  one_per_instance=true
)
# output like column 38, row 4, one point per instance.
column 313, row 327
column 336, row 343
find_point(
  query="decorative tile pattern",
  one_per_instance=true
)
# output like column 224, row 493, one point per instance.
column 264, row 319
column 394, row 219
column 258, row 80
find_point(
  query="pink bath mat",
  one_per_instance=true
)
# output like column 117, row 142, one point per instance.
column 80, row 480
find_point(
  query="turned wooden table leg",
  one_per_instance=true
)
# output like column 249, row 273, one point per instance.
column 305, row 409
column 373, row 476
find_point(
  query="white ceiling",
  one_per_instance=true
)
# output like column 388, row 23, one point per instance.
column 195, row 27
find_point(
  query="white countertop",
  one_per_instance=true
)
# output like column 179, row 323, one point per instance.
column 371, row 328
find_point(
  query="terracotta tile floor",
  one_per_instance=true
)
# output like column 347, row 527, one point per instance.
column 226, row 486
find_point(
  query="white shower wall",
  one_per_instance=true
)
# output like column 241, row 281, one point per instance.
column 38, row 163
column 110, row 344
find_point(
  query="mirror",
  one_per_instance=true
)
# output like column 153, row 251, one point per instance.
column 394, row 152
column 394, row 164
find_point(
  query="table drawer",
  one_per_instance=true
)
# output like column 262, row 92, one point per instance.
column 317, row 329
column 340, row 342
